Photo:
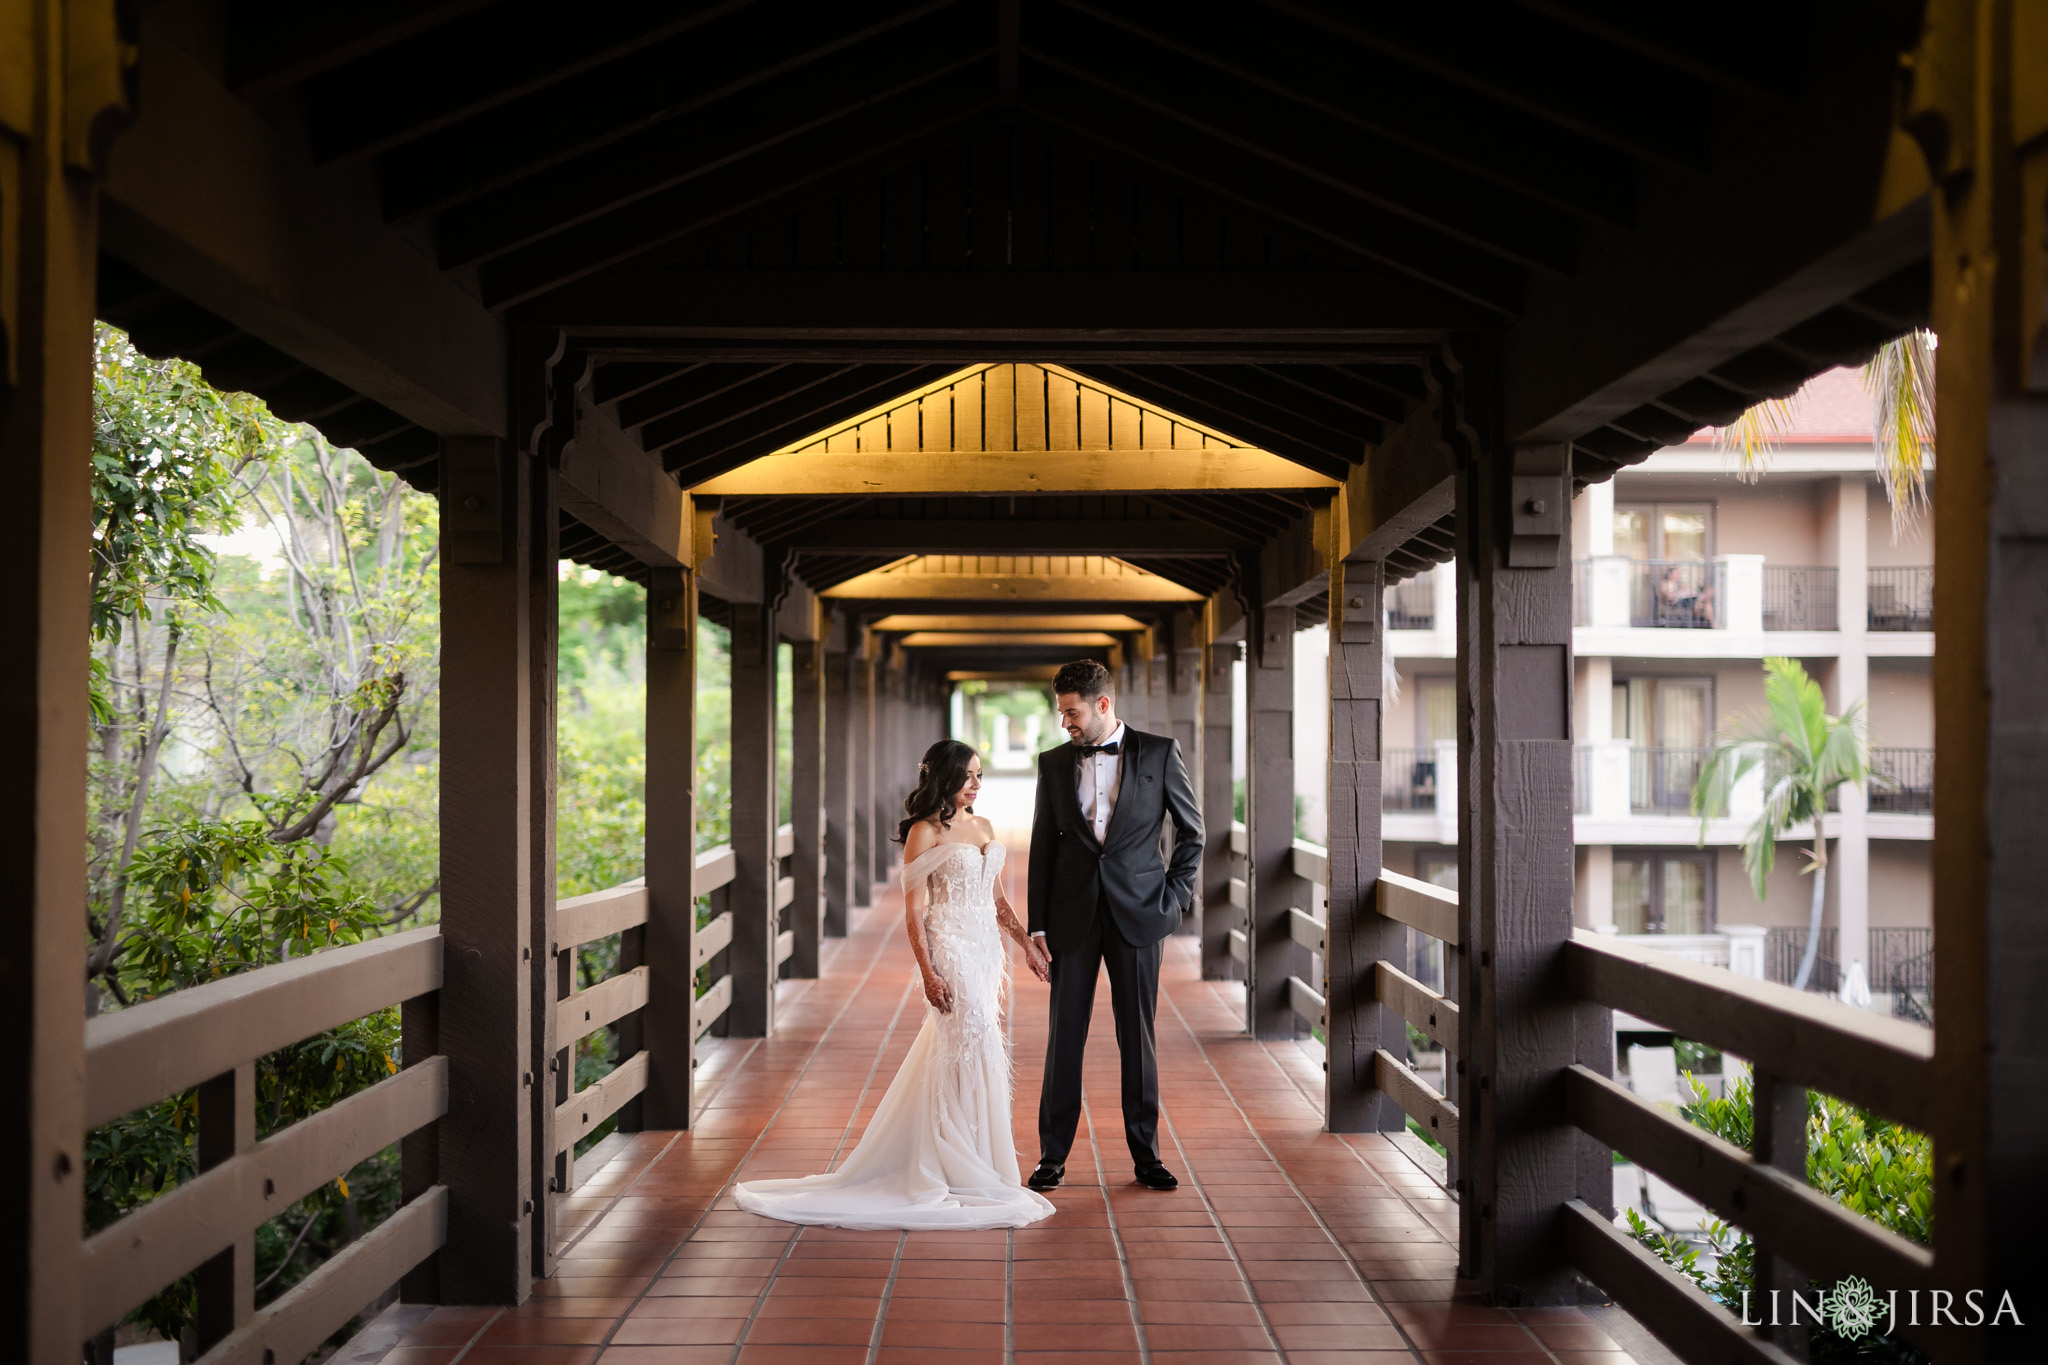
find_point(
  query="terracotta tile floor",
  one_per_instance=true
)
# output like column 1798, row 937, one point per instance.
column 1283, row 1243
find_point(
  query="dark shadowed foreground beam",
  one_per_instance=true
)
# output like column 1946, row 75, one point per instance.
column 207, row 198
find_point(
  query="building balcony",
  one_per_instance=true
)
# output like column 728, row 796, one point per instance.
column 1737, row 606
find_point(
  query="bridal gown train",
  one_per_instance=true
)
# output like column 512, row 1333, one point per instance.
column 939, row 1152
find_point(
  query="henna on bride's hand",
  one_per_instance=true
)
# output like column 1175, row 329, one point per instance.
column 938, row 994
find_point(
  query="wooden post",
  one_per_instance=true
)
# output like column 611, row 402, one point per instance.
column 1520, row 1025
column 488, row 617
column 861, row 663
column 1990, row 710
column 1778, row 1140
column 1219, row 801
column 666, row 1027
column 1269, row 822
column 1184, row 710
column 544, row 972
column 807, row 798
column 227, row 1128
column 888, row 756
column 840, row 839
column 48, row 252
column 1356, row 936
column 752, row 892
column 419, row 1152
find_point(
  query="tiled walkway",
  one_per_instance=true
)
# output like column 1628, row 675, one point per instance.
column 1283, row 1243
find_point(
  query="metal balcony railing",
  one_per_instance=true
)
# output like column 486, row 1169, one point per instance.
column 1902, row 781
column 1801, row 597
column 1901, row 599
column 1675, row 594
column 1660, row 780
column 1408, row 779
column 1411, row 604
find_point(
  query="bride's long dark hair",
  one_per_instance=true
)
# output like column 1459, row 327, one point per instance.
column 939, row 779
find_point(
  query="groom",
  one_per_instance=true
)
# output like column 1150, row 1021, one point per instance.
column 1101, row 897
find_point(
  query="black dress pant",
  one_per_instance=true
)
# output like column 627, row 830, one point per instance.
column 1133, row 999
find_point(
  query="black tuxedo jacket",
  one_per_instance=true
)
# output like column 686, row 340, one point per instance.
column 1069, row 868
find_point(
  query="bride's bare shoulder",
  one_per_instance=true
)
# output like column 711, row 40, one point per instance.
column 922, row 836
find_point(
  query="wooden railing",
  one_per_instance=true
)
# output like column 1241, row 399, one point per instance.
column 604, row 1004
column 210, row 1037
column 1240, row 896
column 1794, row 1041
column 785, row 894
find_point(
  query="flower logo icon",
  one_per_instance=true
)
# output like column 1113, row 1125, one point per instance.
column 1853, row 1308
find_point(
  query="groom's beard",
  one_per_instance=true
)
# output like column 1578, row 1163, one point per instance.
column 1095, row 733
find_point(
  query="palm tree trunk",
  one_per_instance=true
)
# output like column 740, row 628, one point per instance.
column 1820, row 891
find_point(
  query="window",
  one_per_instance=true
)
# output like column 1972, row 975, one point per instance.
column 1663, row 893
column 1437, row 718
column 1680, row 533
column 1666, row 713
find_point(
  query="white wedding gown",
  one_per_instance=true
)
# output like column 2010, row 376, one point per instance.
column 939, row 1153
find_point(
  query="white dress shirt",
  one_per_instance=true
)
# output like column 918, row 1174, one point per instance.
column 1099, row 776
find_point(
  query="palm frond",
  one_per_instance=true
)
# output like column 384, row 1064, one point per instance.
column 1751, row 439
column 1900, row 377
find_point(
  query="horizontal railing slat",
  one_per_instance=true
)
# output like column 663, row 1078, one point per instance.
column 1882, row 1064
column 785, row 840
column 598, row 1006
column 1781, row 1211
column 316, row 1307
column 1240, row 946
column 785, row 945
column 600, row 914
column 1670, row 1305
column 714, row 868
column 1417, row 1003
column 138, row 1055
column 579, row 1115
column 785, row 891
column 712, row 939
column 1240, row 838
column 126, row 1262
column 1419, row 905
column 1307, row 1002
column 1240, row 893
column 710, row 1005
column 1413, row 1094
column 1311, row 862
column 1305, row 930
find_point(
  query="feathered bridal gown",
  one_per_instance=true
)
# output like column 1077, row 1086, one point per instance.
column 939, row 1152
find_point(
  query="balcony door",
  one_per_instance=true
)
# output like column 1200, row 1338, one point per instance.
column 1656, row 892
column 1667, row 532
column 1667, row 722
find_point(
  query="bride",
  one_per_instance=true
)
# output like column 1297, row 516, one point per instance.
column 939, row 1151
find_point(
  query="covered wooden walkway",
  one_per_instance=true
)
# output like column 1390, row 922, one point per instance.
column 1284, row 1242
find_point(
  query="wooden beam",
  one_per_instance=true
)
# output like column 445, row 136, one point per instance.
column 1083, row 621
column 1080, row 471
column 1074, row 581
column 866, row 834
column 1219, row 915
column 1355, row 312
column 807, row 743
column 1269, row 819
column 271, row 47
column 752, row 893
column 1522, row 1023
column 666, row 1029
column 1648, row 318
column 955, row 639
column 1359, row 1024
column 839, row 765
column 209, row 199
column 488, row 616
column 613, row 486
column 1013, row 535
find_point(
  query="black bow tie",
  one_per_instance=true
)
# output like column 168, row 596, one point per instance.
column 1109, row 748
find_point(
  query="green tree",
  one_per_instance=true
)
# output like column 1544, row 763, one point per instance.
column 1804, row 754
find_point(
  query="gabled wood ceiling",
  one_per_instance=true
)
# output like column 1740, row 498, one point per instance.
column 625, row 171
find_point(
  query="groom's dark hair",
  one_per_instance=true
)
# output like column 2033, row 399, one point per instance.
column 1086, row 679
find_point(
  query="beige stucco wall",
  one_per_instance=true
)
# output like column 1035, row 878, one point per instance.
column 1901, row 710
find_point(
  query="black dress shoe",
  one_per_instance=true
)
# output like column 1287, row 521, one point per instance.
column 1048, row 1176
column 1157, row 1177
